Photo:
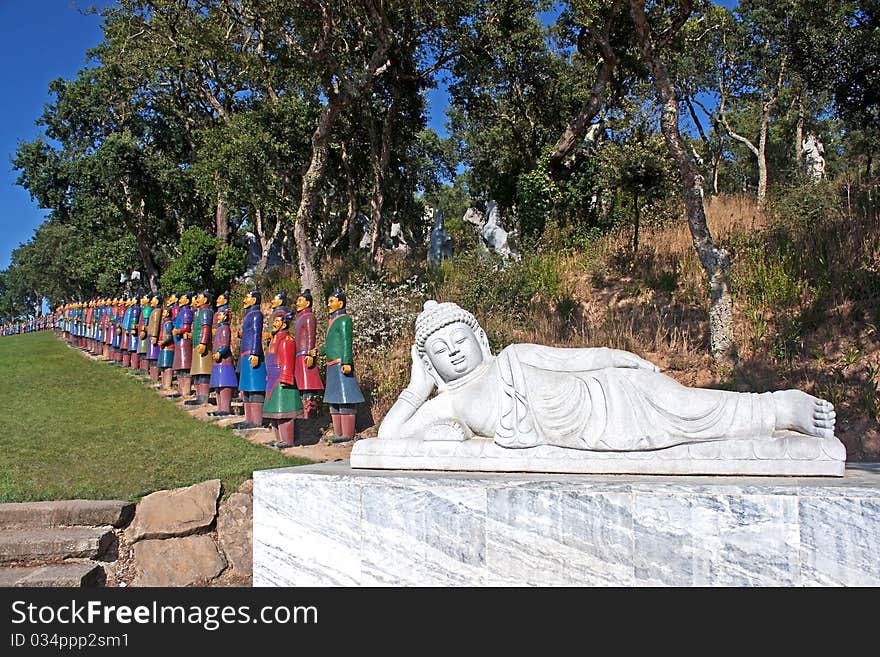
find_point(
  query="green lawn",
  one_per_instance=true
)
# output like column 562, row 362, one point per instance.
column 76, row 428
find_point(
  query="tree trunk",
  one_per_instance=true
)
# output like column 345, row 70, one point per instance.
column 762, row 156
column 575, row 130
column 221, row 220
column 799, row 138
column 305, row 254
column 381, row 159
column 715, row 260
column 635, row 240
column 150, row 268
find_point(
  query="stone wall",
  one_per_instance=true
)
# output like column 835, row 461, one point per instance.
column 187, row 537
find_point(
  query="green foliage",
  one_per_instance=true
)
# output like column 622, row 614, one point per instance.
column 507, row 292
column 230, row 264
column 202, row 263
column 537, row 195
column 282, row 278
column 191, row 269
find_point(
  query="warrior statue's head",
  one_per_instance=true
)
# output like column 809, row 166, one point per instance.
column 223, row 298
column 450, row 342
column 336, row 301
column 281, row 322
column 253, row 298
column 279, row 299
column 304, row 300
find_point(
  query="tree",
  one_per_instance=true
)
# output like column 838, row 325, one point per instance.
column 715, row 260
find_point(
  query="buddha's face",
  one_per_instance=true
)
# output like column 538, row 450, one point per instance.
column 454, row 351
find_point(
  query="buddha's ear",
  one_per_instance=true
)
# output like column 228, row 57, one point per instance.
column 484, row 342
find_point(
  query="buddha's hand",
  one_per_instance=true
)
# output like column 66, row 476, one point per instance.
column 420, row 382
column 636, row 362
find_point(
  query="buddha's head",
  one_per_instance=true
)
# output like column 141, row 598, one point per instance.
column 450, row 342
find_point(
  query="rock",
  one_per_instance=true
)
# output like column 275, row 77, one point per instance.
column 73, row 574
column 54, row 543
column 60, row 513
column 177, row 561
column 474, row 217
column 177, row 512
column 247, row 487
column 235, row 532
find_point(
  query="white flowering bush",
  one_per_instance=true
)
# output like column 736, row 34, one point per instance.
column 383, row 312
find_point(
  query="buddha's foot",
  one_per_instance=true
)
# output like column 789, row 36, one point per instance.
column 798, row 411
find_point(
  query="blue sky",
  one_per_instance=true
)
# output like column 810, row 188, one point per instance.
column 41, row 40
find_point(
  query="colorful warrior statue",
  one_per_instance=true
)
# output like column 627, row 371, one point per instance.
column 183, row 351
column 223, row 379
column 107, row 327
column 251, row 362
column 308, row 381
column 200, row 369
column 343, row 392
column 137, row 328
column 167, row 340
column 118, row 317
column 143, row 322
column 278, row 306
column 133, row 317
column 151, row 337
column 283, row 402
column 124, row 335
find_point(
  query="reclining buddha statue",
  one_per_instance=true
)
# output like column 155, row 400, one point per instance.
column 592, row 405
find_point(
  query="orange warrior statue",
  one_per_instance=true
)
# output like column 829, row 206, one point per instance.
column 200, row 370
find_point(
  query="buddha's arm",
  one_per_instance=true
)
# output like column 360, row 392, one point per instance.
column 580, row 360
column 408, row 419
column 413, row 410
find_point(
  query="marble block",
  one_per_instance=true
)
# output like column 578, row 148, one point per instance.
column 786, row 454
column 331, row 525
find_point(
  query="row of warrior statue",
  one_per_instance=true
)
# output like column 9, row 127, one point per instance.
column 188, row 338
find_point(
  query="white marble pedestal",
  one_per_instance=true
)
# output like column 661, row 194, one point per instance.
column 329, row 525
